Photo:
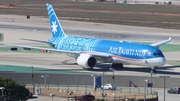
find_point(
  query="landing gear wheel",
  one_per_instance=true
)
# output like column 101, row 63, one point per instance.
column 120, row 65
column 153, row 70
column 117, row 65
column 156, row 67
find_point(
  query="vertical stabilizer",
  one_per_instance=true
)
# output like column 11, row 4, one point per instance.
column 56, row 28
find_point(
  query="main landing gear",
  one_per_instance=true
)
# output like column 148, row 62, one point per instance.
column 117, row 65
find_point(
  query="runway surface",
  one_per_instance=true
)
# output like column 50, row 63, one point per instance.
column 15, row 27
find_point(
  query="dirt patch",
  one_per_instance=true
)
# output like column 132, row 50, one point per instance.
column 64, row 93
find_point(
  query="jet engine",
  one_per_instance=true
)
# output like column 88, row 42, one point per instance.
column 86, row 61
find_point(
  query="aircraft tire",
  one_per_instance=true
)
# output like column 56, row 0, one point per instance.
column 154, row 71
column 120, row 65
column 117, row 65
column 156, row 67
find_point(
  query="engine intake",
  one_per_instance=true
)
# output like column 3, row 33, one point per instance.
column 86, row 61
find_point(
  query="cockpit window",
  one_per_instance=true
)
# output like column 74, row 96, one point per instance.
column 158, row 54
column 154, row 54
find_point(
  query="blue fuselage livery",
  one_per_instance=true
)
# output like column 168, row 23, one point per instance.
column 89, row 51
column 118, row 48
column 120, row 51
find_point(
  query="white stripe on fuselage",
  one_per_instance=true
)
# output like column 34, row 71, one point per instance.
column 159, row 61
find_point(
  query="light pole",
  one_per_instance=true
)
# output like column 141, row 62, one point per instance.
column 145, row 83
column 112, row 69
column 150, row 82
column 2, row 89
column 103, row 85
column 32, row 75
column 164, row 77
column 102, row 81
column 44, row 76
column 94, row 85
column 32, row 78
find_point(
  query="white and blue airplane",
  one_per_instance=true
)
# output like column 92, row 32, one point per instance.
column 89, row 51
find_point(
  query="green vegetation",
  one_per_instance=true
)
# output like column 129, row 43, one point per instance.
column 175, row 63
column 13, row 90
column 170, row 48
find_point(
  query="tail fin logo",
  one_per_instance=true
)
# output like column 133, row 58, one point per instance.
column 54, row 27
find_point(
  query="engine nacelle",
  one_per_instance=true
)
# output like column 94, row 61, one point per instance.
column 86, row 61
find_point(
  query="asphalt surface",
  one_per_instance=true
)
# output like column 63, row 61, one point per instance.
column 15, row 27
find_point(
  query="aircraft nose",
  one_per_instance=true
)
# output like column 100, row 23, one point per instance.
column 161, row 60
column 156, row 61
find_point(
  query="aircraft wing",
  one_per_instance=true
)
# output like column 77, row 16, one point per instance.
column 40, row 48
column 95, row 54
column 161, row 42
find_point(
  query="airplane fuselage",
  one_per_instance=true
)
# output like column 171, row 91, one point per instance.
column 120, row 52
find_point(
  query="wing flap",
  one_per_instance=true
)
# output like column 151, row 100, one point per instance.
column 161, row 43
column 39, row 48
column 98, row 55
column 95, row 54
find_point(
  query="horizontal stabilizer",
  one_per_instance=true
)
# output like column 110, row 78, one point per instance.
column 37, row 41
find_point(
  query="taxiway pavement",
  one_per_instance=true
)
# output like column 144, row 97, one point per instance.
column 15, row 27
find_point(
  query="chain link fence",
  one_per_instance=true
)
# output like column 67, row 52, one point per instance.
column 69, row 91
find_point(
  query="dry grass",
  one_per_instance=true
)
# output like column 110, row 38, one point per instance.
column 64, row 93
column 163, row 16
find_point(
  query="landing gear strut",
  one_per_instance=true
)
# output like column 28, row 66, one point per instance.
column 153, row 70
column 117, row 65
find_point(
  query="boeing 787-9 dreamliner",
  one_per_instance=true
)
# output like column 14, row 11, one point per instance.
column 89, row 51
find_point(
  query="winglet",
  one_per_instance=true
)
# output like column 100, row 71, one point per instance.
column 161, row 43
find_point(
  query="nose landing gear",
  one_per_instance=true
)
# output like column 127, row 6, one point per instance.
column 153, row 70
